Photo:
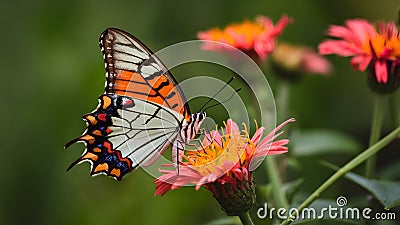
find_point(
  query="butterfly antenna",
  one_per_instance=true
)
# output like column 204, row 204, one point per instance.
column 220, row 103
column 222, row 88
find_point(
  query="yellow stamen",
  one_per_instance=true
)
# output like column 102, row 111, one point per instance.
column 212, row 157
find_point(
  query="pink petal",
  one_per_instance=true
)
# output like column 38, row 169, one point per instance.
column 264, row 45
column 162, row 188
column 266, row 141
column 267, row 147
column 362, row 30
column 275, row 149
column 314, row 63
column 362, row 61
column 339, row 47
column 266, row 22
column 339, row 32
column 389, row 29
column 212, row 136
column 280, row 25
column 257, row 135
column 200, row 183
column 231, row 127
column 381, row 72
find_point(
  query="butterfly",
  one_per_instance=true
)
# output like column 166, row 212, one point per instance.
column 141, row 114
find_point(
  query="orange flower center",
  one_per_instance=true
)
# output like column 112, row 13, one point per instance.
column 384, row 47
column 213, row 157
column 247, row 30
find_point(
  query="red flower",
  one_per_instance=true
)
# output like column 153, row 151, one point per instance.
column 378, row 48
column 251, row 37
column 224, row 166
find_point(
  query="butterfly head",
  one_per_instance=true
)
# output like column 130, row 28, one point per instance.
column 197, row 119
column 191, row 128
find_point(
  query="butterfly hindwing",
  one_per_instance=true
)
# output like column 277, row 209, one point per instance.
column 116, row 145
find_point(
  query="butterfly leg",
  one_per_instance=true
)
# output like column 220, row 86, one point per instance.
column 206, row 135
column 177, row 150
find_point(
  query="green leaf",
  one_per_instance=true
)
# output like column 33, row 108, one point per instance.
column 386, row 192
column 292, row 187
column 321, row 141
column 390, row 172
column 264, row 191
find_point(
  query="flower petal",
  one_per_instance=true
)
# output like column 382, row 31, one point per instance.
column 338, row 47
column 362, row 61
column 264, row 45
column 280, row 25
column 361, row 30
column 231, row 127
column 314, row 63
column 381, row 72
column 257, row 135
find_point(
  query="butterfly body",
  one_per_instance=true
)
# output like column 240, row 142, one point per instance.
column 142, row 112
column 189, row 130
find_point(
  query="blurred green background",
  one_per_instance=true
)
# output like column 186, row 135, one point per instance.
column 52, row 74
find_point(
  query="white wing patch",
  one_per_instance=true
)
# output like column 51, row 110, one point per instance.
column 144, row 131
column 121, row 65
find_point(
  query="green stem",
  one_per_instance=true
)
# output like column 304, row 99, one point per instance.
column 283, row 100
column 394, row 110
column 277, row 189
column 375, row 133
column 246, row 219
column 271, row 164
column 346, row 168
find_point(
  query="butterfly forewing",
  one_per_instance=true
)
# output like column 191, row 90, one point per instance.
column 133, row 70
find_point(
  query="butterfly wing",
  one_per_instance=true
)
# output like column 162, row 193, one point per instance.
column 140, row 113
column 134, row 71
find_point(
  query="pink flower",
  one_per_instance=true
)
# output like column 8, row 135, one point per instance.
column 224, row 166
column 300, row 59
column 251, row 37
column 378, row 48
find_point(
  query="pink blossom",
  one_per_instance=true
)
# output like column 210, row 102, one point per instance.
column 214, row 166
column 301, row 59
column 378, row 49
column 251, row 37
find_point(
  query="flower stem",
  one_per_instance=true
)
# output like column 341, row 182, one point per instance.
column 271, row 164
column 394, row 110
column 375, row 133
column 341, row 172
column 283, row 100
column 246, row 219
column 277, row 189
